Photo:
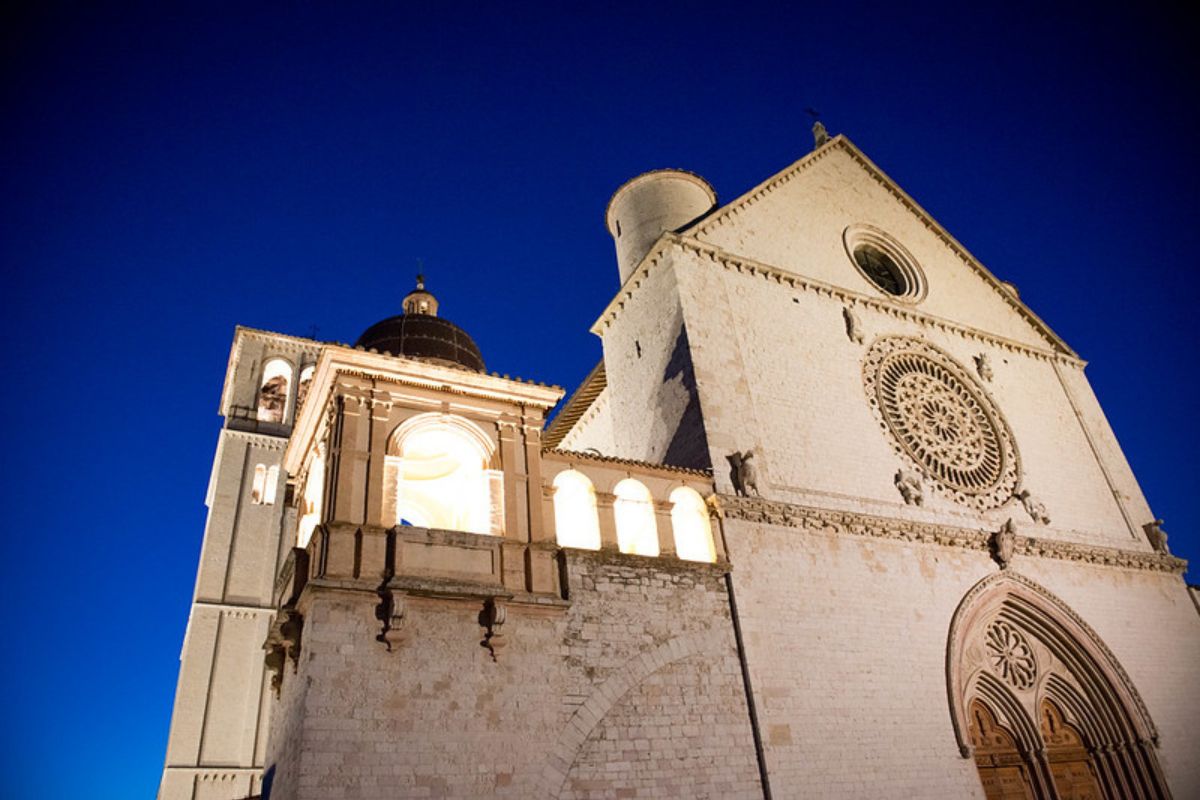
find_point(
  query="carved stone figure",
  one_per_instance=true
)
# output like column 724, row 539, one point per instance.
column 1004, row 543
column 853, row 327
column 283, row 643
column 1034, row 507
column 1157, row 536
column 743, row 473
column 820, row 135
column 983, row 365
column 909, row 484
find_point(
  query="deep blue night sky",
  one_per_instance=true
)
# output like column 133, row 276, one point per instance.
column 170, row 171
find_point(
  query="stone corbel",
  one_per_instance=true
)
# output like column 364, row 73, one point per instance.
column 283, row 643
column 492, row 619
column 390, row 613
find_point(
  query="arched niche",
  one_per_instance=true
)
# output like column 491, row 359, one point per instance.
column 691, row 526
column 312, row 498
column 637, row 532
column 274, row 390
column 438, row 474
column 576, row 521
column 1013, row 645
column 303, row 385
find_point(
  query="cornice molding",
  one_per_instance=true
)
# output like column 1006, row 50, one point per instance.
column 752, row 509
column 263, row 440
column 747, row 266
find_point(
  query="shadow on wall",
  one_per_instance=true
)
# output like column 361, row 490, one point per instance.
column 689, row 444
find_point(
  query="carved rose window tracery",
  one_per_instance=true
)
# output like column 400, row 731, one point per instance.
column 1009, row 655
column 942, row 420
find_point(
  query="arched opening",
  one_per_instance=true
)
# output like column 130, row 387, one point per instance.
column 312, row 499
column 437, row 475
column 637, row 532
column 306, row 376
column 576, row 522
column 691, row 526
column 1004, row 772
column 1071, row 767
column 1071, row 708
column 258, row 484
column 273, row 391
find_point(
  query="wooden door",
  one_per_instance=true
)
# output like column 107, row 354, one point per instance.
column 1002, row 769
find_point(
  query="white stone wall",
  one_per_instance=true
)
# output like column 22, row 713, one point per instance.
column 846, row 638
column 594, row 430
column 440, row 718
column 778, row 373
column 654, row 410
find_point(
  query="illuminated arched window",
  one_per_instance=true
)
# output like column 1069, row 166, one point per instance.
column 437, row 475
column 312, row 499
column 634, row 510
column 693, row 531
column 575, row 517
column 273, row 392
column 306, row 376
column 272, row 485
column 258, row 484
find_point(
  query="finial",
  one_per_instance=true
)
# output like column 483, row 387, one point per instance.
column 420, row 281
column 820, row 135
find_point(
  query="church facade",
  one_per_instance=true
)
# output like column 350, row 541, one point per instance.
column 836, row 515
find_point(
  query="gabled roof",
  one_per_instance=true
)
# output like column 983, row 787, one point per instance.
column 576, row 406
column 840, row 142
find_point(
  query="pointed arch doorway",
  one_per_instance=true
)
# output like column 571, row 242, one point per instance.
column 1041, row 704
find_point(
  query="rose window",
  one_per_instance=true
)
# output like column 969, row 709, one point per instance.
column 942, row 420
column 1010, row 655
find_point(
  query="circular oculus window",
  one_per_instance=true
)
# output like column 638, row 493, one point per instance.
column 942, row 421
column 884, row 263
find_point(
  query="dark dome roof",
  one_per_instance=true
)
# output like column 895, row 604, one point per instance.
column 425, row 337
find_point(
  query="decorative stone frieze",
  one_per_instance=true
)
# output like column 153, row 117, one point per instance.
column 734, row 263
column 854, row 524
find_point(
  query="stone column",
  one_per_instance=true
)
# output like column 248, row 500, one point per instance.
column 608, row 520
column 666, row 530
column 514, row 474
column 533, row 467
column 349, row 454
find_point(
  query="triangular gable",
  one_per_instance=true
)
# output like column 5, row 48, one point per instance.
column 795, row 220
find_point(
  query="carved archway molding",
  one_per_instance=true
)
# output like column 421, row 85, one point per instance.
column 602, row 699
column 1012, row 644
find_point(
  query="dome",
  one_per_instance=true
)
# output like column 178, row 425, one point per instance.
column 420, row 333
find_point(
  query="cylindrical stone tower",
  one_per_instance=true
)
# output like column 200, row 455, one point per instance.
column 651, row 204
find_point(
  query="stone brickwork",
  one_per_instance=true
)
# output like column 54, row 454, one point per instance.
column 641, row 645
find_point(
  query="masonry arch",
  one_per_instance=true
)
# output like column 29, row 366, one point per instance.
column 1019, row 653
column 438, row 473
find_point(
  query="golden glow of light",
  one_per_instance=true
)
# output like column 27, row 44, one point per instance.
column 637, row 532
column 310, row 503
column 575, row 519
column 693, row 530
column 438, row 478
